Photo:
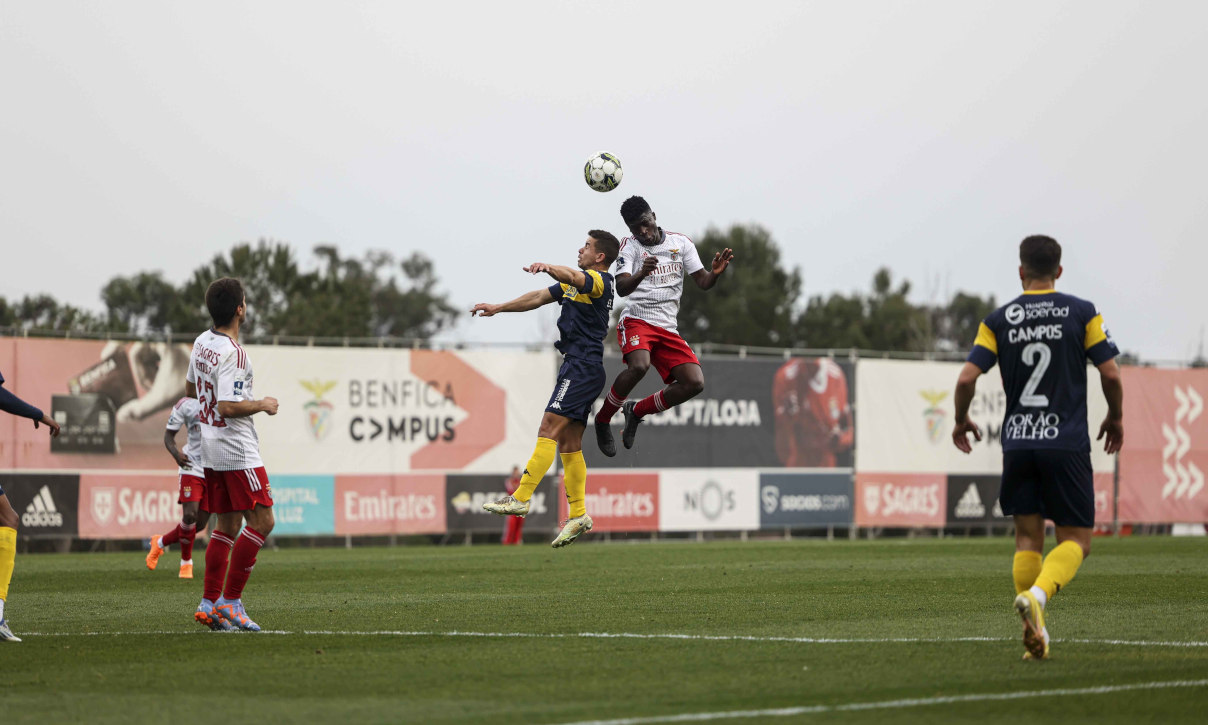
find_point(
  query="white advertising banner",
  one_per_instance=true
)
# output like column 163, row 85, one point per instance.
column 358, row 410
column 904, row 418
column 708, row 499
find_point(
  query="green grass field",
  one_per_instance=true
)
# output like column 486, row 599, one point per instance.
column 366, row 635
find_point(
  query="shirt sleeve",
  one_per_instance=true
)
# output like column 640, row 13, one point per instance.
column 10, row 403
column 190, row 376
column 624, row 263
column 556, row 290
column 985, row 348
column 231, row 378
column 593, row 284
column 175, row 419
column 692, row 263
column 1099, row 345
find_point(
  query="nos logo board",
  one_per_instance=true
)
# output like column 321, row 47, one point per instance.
column 709, row 499
column 467, row 493
column 973, row 499
column 805, row 499
column 46, row 504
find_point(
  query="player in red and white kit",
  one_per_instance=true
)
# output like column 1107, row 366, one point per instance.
column 237, row 487
column 650, row 271
column 185, row 414
column 813, row 416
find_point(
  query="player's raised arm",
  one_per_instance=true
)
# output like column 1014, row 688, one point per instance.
column 523, row 303
column 566, row 275
column 966, row 386
column 706, row 278
column 1113, row 389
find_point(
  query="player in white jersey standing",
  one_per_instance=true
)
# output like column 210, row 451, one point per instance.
column 237, row 487
column 650, row 272
column 194, row 515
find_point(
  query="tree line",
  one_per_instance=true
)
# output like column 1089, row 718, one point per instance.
column 760, row 302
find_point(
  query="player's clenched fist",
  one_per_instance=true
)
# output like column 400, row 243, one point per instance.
column 269, row 405
column 648, row 265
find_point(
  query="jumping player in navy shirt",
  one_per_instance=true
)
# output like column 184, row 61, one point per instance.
column 1042, row 341
column 586, row 298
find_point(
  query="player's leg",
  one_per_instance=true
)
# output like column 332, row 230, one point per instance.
column 570, row 445
column 227, row 521
column 635, row 351
column 1020, row 498
column 679, row 368
column 1069, row 497
column 250, row 493
column 8, row 559
column 188, row 532
column 517, row 503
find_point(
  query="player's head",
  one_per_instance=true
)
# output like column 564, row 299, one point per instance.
column 1039, row 258
column 226, row 302
column 599, row 251
column 640, row 219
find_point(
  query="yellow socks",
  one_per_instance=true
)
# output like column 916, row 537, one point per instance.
column 8, row 555
column 1060, row 566
column 1025, row 570
column 574, row 470
column 543, row 458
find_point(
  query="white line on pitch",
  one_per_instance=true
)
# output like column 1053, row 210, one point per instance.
column 636, row 635
column 893, row 704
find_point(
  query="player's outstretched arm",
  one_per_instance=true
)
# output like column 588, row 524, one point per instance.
column 706, row 278
column 245, row 408
column 1113, row 389
column 966, row 386
column 523, row 303
column 565, row 275
column 10, row 403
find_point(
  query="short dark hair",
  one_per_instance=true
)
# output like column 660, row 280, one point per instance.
column 633, row 208
column 607, row 244
column 1040, row 256
column 223, row 298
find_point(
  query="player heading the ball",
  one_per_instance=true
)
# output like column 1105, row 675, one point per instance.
column 585, row 294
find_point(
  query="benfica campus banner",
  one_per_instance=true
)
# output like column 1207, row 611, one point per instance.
column 1165, row 455
column 754, row 412
column 343, row 410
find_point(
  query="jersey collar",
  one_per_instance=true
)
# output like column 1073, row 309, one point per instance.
column 1039, row 291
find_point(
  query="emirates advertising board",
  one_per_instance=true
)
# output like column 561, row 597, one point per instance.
column 342, row 410
column 619, row 501
column 753, row 413
column 906, row 418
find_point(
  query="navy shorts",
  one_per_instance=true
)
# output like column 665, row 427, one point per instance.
column 580, row 382
column 1058, row 484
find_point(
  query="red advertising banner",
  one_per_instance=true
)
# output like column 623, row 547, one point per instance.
column 392, row 504
column 126, row 506
column 1165, row 455
column 619, row 501
column 901, row 499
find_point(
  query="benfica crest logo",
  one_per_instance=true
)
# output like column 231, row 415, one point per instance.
column 934, row 415
column 318, row 411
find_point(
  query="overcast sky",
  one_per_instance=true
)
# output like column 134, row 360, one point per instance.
column 929, row 137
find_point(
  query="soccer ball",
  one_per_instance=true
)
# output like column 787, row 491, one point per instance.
column 602, row 171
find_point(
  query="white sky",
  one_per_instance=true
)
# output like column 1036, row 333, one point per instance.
column 926, row 136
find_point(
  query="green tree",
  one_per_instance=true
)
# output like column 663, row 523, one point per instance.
column 754, row 301
column 144, row 303
column 43, row 312
column 885, row 319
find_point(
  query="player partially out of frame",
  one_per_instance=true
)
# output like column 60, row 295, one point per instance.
column 650, row 271
column 9, row 520
column 192, row 486
column 1042, row 341
column 585, row 295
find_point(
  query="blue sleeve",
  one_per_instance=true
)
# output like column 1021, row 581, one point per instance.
column 555, row 291
column 10, row 403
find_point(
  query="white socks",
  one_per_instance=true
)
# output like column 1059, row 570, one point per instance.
column 1040, row 595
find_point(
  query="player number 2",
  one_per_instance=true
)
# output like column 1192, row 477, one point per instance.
column 1040, row 355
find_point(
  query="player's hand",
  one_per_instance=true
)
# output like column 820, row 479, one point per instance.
column 182, row 460
column 482, row 309
column 1113, row 431
column 537, row 268
column 269, row 405
column 722, row 259
column 960, row 435
column 49, row 423
column 648, row 265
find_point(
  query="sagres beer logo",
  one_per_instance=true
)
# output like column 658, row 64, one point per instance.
column 872, row 497
column 934, row 415
column 318, row 411
column 1183, row 478
column 102, row 505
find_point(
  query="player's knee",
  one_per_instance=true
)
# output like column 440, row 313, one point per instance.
column 695, row 387
column 638, row 366
column 188, row 519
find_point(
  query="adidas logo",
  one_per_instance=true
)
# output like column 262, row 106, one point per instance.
column 42, row 511
column 970, row 505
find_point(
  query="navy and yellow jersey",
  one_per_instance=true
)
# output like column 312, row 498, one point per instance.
column 583, row 323
column 1042, row 340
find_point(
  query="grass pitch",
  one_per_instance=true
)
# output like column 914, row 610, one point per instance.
column 108, row 641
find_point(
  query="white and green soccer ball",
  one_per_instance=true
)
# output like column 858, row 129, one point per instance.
column 603, row 171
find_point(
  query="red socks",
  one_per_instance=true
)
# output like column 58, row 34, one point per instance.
column 612, row 403
column 171, row 537
column 652, row 404
column 217, row 554
column 186, row 533
column 243, row 558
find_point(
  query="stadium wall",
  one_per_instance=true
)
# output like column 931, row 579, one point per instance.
column 396, row 441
